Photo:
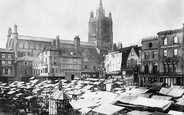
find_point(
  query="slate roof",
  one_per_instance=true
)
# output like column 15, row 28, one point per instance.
column 5, row 50
column 26, row 58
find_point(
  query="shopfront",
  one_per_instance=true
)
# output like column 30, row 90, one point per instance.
column 171, row 80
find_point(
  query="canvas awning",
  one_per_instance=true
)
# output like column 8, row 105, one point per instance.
column 137, row 90
column 172, row 112
column 107, row 109
column 175, row 91
column 84, row 103
column 135, row 112
column 158, row 97
column 162, row 104
column 28, row 97
column 85, row 110
column 11, row 92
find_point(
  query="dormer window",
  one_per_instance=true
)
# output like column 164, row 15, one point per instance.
column 165, row 41
column 175, row 40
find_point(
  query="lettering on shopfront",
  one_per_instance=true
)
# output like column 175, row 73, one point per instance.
column 171, row 46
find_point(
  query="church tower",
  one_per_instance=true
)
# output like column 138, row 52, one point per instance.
column 100, row 28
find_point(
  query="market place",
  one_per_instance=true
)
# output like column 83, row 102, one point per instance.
column 89, row 97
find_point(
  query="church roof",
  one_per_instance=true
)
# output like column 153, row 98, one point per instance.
column 43, row 39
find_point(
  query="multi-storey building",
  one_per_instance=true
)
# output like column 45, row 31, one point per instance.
column 7, row 68
column 171, row 56
column 162, row 58
column 149, row 61
column 130, row 62
column 23, row 68
column 99, row 42
column 56, row 62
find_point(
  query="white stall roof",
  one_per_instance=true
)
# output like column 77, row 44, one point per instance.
column 83, row 103
column 175, row 91
column 162, row 104
column 107, row 109
column 85, row 110
column 172, row 112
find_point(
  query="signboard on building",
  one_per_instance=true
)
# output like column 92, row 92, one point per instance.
column 113, row 62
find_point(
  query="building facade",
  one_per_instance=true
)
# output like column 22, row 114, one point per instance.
column 149, row 61
column 162, row 58
column 130, row 62
column 7, row 69
column 171, row 57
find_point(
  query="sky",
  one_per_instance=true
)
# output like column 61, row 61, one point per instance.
column 133, row 20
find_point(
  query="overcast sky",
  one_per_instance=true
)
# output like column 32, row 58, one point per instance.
column 132, row 19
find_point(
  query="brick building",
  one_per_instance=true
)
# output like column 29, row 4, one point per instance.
column 149, row 61
column 171, row 56
column 7, row 68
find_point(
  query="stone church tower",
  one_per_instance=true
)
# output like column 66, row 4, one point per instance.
column 100, row 29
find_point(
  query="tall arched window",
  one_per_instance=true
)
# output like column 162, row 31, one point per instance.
column 175, row 40
column 165, row 41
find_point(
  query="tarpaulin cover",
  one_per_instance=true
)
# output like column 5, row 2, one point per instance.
column 107, row 109
column 162, row 104
column 172, row 112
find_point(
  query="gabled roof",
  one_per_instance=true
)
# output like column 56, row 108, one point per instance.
column 83, row 49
